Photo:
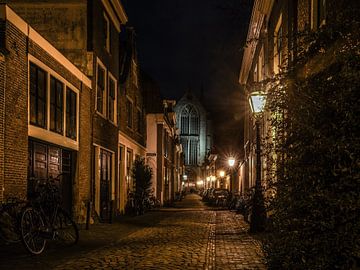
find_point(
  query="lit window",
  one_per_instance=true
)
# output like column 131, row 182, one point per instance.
column 56, row 105
column 38, row 102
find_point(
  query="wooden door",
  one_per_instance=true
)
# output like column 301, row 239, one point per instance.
column 105, row 185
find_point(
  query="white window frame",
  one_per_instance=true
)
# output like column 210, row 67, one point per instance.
column 46, row 134
column 111, row 77
column 104, row 113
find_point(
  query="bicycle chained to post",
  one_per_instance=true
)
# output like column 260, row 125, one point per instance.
column 42, row 218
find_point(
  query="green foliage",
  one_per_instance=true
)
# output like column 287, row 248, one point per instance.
column 142, row 174
column 314, row 163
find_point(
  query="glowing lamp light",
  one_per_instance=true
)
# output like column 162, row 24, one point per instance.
column 208, row 178
column 185, row 176
column 200, row 182
column 213, row 178
column 222, row 173
column 231, row 161
column 257, row 101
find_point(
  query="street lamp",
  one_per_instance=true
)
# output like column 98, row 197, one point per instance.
column 231, row 162
column 257, row 102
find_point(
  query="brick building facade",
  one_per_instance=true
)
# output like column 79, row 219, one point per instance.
column 37, row 140
column 132, row 125
column 88, row 33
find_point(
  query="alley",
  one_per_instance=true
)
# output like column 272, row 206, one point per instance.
column 187, row 236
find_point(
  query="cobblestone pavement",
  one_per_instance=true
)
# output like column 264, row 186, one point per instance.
column 187, row 236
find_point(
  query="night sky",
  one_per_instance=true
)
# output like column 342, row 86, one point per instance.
column 196, row 44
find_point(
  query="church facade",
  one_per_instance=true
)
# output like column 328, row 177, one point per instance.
column 196, row 136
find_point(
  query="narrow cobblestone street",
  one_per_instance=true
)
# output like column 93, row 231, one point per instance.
column 187, row 236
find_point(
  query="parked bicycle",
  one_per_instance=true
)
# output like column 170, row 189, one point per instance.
column 44, row 219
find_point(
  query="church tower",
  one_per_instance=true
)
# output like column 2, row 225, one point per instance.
column 195, row 134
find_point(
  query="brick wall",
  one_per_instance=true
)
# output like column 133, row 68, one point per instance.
column 129, row 90
column 16, row 115
column 2, row 119
column 14, row 138
column 66, row 30
column 83, row 192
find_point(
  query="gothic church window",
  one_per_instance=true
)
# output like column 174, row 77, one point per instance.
column 190, row 124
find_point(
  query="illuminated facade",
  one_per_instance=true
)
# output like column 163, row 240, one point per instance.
column 195, row 134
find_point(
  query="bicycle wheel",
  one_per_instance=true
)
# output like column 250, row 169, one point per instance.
column 67, row 232
column 31, row 225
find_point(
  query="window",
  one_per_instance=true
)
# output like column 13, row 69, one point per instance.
column 318, row 13
column 71, row 113
column 190, row 124
column 190, row 150
column 100, row 89
column 112, row 99
column 129, row 113
column 53, row 105
column 56, row 105
column 38, row 102
column 193, row 152
column 107, row 33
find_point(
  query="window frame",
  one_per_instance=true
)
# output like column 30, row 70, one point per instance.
column 46, row 134
column 104, row 97
column 112, row 78
column 67, row 88
column 56, row 105
column 45, row 99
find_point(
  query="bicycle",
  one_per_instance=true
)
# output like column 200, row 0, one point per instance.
column 44, row 219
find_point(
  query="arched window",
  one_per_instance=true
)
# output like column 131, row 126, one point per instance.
column 189, row 121
column 190, row 130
